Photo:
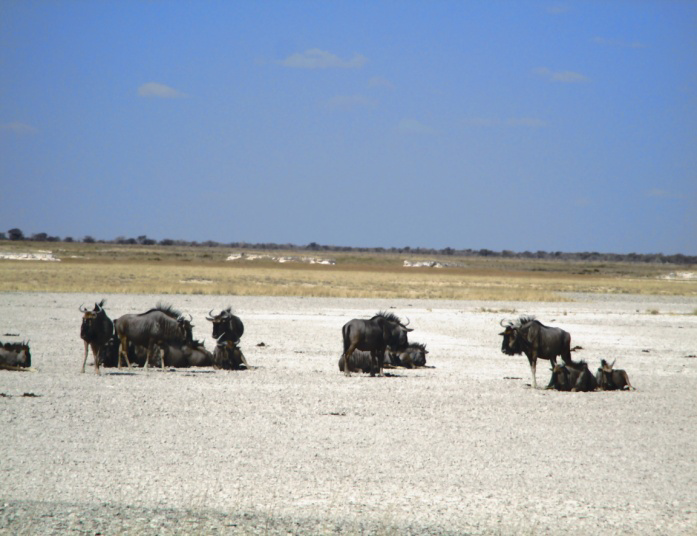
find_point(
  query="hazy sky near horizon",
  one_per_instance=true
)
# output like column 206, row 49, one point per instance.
column 527, row 125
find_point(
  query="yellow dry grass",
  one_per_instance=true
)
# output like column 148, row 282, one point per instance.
column 201, row 271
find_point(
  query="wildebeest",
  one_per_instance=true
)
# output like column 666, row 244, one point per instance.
column 109, row 353
column 610, row 380
column 375, row 335
column 228, row 355
column 574, row 376
column 414, row 355
column 528, row 335
column 161, row 325
column 193, row 354
column 358, row 362
column 97, row 328
column 15, row 356
column 226, row 323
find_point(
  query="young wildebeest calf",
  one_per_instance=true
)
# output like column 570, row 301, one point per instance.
column 227, row 355
column 573, row 376
column 611, row 380
column 15, row 356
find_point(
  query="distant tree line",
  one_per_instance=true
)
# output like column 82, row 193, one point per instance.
column 143, row 240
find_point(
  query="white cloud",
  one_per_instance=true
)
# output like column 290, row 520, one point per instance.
column 617, row 43
column 381, row 82
column 412, row 126
column 321, row 59
column 153, row 89
column 345, row 102
column 17, row 127
column 663, row 194
column 565, row 77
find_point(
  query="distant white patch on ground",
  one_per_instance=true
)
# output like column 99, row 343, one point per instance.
column 423, row 264
column 41, row 255
column 254, row 257
column 680, row 276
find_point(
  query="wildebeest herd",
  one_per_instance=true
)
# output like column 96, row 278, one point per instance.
column 164, row 336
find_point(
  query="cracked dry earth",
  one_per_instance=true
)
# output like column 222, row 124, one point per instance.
column 293, row 446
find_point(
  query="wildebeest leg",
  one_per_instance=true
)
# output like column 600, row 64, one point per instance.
column 84, row 361
column 533, row 367
column 373, row 362
column 123, row 350
column 381, row 361
column 626, row 380
column 347, row 355
column 95, row 354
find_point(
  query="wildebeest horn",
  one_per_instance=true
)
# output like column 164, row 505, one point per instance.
column 98, row 307
column 83, row 310
column 210, row 316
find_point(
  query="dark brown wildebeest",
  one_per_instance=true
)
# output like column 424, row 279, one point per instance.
column 358, row 362
column 225, row 323
column 186, row 355
column 414, row 355
column 529, row 336
column 228, row 355
column 97, row 328
column 158, row 326
column 574, row 376
column 612, row 380
column 15, row 356
column 375, row 335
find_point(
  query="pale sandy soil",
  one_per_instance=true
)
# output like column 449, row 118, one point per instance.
column 295, row 447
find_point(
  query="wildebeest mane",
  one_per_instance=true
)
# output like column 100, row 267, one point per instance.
column 15, row 346
column 526, row 319
column 390, row 317
column 419, row 345
column 165, row 308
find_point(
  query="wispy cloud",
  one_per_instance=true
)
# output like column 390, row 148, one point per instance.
column 663, row 194
column 161, row 91
column 529, row 122
column 17, row 127
column 380, row 82
column 617, row 43
column 347, row 102
column 321, row 59
column 412, row 126
column 565, row 77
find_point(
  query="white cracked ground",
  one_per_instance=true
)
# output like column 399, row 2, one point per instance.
column 294, row 446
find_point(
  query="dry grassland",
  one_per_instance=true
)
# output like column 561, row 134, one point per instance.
column 102, row 268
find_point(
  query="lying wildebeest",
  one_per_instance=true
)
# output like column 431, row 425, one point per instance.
column 15, row 356
column 414, row 355
column 158, row 326
column 97, row 328
column 186, row 355
column 228, row 355
column 528, row 335
column 358, row 362
column 610, row 380
column 573, row 376
column 374, row 336
column 225, row 323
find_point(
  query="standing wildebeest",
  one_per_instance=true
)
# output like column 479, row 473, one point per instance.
column 162, row 325
column 529, row 336
column 611, row 380
column 414, row 355
column 97, row 328
column 573, row 376
column 225, row 323
column 374, row 336
column 228, row 355
column 15, row 356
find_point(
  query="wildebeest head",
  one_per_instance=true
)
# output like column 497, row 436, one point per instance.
column 394, row 332
column 561, row 378
column 513, row 335
column 609, row 379
column 226, row 323
column 90, row 318
column 185, row 328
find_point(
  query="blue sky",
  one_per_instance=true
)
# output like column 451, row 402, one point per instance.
column 557, row 126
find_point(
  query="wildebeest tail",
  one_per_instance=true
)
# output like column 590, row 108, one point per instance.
column 577, row 348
